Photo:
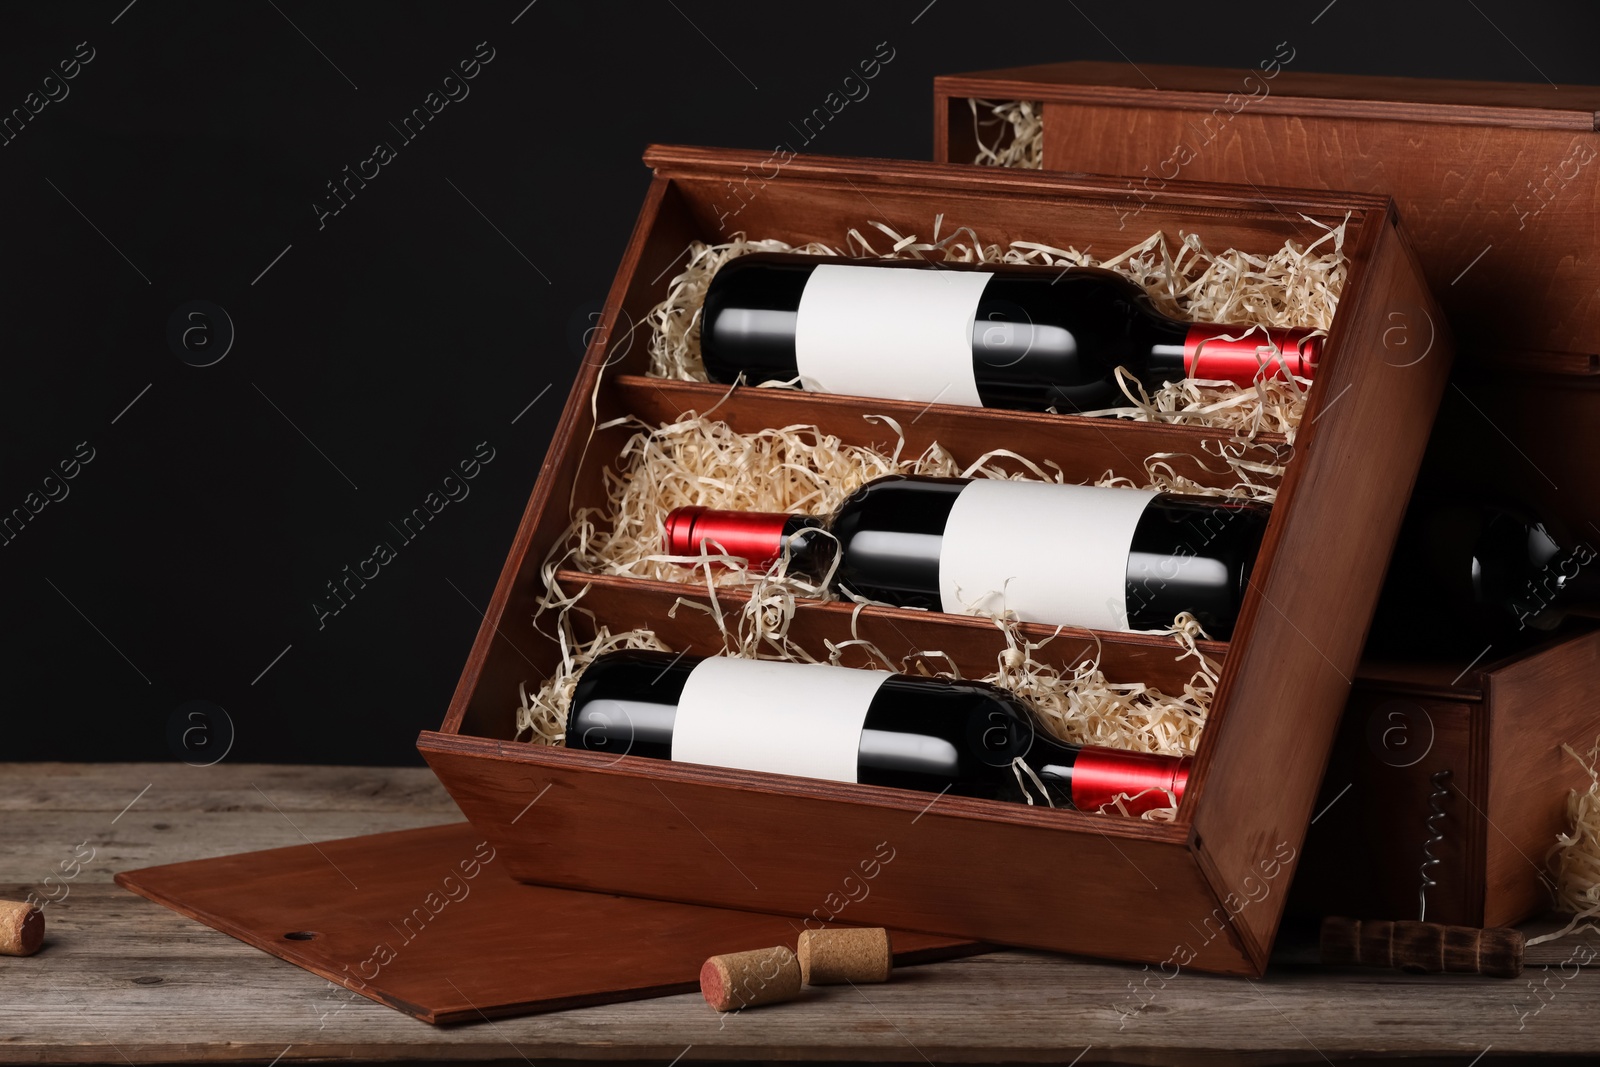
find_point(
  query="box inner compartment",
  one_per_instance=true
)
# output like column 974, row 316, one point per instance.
column 705, row 208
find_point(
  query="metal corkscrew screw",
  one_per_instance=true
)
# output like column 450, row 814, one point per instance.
column 1435, row 835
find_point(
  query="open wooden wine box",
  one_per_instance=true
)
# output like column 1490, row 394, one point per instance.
column 1496, row 188
column 1207, row 889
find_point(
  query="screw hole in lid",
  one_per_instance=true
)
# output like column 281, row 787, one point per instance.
column 301, row 935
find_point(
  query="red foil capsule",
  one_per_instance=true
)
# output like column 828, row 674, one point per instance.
column 1100, row 775
column 1207, row 353
column 757, row 536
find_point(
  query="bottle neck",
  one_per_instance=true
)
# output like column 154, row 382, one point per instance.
column 1568, row 583
column 1244, row 354
column 1095, row 779
column 759, row 537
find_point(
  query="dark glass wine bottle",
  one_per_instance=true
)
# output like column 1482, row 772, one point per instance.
column 848, row 725
column 1067, row 555
column 997, row 335
column 1466, row 571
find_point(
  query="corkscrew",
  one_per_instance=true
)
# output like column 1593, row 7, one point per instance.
column 1423, row 947
column 1435, row 835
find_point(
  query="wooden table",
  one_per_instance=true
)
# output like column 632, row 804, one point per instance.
column 123, row 980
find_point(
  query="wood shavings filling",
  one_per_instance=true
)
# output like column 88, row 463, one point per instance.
column 1294, row 286
column 700, row 461
column 1073, row 702
column 1576, row 857
column 1009, row 133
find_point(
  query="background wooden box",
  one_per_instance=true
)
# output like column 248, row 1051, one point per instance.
column 1208, row 889
column 1497, row 730
column 1498, row 188
column 1475, row 169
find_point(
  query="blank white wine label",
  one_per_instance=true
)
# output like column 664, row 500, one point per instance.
column 898, row 333
column 787, row 718
column 1049, row 553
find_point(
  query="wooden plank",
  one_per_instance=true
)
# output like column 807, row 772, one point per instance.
column 123, row 981
column 1533, row 105
column 1373, row 809
column 972, row 643
column 1535, row 706
column 112, row 787
column 732, row 839
column 422, row 920
column 138, row 982
column 1297, row 643
column 56, row 837
column 1083, row 448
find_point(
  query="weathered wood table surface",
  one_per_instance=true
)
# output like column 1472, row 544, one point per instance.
column 124, row 980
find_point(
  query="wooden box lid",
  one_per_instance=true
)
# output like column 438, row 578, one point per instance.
column 1497, row 184
column 427, row 922
column 1205, row 889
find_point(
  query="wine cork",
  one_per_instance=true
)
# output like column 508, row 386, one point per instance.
column 745, row 979
column 21, row 928
column 832, row 957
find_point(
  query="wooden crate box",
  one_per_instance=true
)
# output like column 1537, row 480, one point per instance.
column 1205, row 891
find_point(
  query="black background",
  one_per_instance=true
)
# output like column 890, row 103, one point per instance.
column 453, row 291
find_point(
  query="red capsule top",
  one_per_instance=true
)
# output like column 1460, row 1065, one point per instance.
column 755, row 535
column 1143, row 780
column 1207, row 352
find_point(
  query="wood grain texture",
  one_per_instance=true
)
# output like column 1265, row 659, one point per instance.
column 1532, row 104
column 1092, row 445
column 1338, row 483
column 1196, row 891
column 1363, row 857
column 1498, row 729
column 1422, row 947
column 120, row 980
column 1535, row 705
column 424, row 921
column 1496, row 183
column 239, row 787
column 731, row 838
column 974, row 645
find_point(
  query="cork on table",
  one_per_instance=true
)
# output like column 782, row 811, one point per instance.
column 120, row 979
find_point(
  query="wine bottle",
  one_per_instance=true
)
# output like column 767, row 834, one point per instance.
column 847, row 725
column 1068, row 555
column 1000, row 335
column 1480, row 571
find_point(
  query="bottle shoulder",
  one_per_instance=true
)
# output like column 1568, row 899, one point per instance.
column 898, row 501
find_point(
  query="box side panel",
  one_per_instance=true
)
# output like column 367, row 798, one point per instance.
column 1536, row 705
column 1364, row 851
column 672, row 831
column 1347, row 490
column 1277, row 84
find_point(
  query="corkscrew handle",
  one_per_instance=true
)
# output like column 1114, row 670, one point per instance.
column 1421, row 947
